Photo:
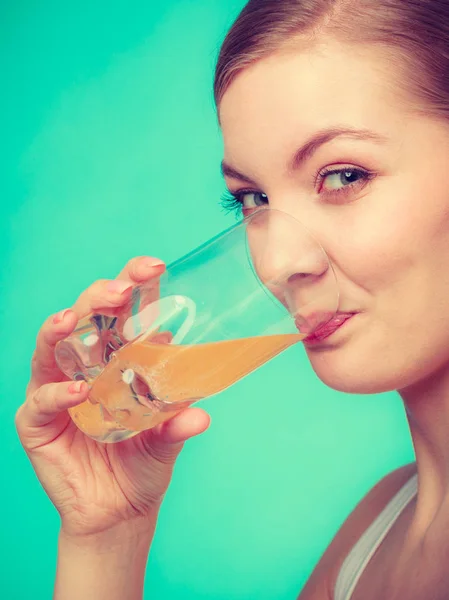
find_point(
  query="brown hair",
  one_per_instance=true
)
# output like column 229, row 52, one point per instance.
column 415, row 33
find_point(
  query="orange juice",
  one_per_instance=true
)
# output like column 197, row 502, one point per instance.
column 146, row 383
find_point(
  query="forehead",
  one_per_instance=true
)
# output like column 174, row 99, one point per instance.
column 295, row 93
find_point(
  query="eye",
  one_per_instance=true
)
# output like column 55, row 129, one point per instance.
column 243, row 200
column 343, row 180
column 252, row 199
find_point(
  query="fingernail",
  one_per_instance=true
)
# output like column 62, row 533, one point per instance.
column 151, row 263
column 60, row 316
column 118, row 287
column 76, row 387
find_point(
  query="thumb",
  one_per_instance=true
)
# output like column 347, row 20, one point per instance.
column 165, row 441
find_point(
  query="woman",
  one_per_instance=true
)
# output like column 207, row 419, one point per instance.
column 335, row 111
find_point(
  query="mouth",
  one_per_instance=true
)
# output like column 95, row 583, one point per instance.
column 328, row 329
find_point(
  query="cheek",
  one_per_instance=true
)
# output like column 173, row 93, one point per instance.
column 396, row 240
column 374, row 254
column 394, row 266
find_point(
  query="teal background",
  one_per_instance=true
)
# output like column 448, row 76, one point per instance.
column 110, row 149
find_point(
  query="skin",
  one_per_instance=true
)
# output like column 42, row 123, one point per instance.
column 388, row 239
column 108, row 495
column 387, row 235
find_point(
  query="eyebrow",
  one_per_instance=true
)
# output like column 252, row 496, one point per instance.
column 306, row 151
column 228, row 171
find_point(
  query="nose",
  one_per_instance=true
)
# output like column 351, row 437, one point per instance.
column 291, row 263
column 283, row 250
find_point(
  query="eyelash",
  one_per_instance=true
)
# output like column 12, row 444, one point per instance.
column 234, row 202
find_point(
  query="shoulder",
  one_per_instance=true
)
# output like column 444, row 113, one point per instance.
column 321, row 583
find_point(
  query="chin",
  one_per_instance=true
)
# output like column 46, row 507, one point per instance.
column 357, row 376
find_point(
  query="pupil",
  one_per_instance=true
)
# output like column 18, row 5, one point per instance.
column 350, row 176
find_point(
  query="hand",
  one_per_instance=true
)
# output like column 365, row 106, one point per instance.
column 96, row 487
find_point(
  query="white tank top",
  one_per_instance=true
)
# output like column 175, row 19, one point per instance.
column 360, row 555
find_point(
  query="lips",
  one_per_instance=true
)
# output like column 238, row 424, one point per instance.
column 327, row 329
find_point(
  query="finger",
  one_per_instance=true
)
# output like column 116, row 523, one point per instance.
column 187, row 424
column 43, row 365
column 145, row 271
column 112, row 294
column 44, row 414
column 102, row 295
column 48, row 401
column 165, row 441
column 108, row 296
column 164, row 337
column 141, row 268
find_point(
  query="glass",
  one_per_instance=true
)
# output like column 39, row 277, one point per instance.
column 211, row 318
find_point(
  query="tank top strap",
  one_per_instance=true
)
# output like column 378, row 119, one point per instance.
column 362, row 552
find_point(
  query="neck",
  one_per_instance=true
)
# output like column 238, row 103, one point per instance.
column 427, row 408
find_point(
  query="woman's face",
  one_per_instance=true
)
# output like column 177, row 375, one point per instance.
column 374, row 194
